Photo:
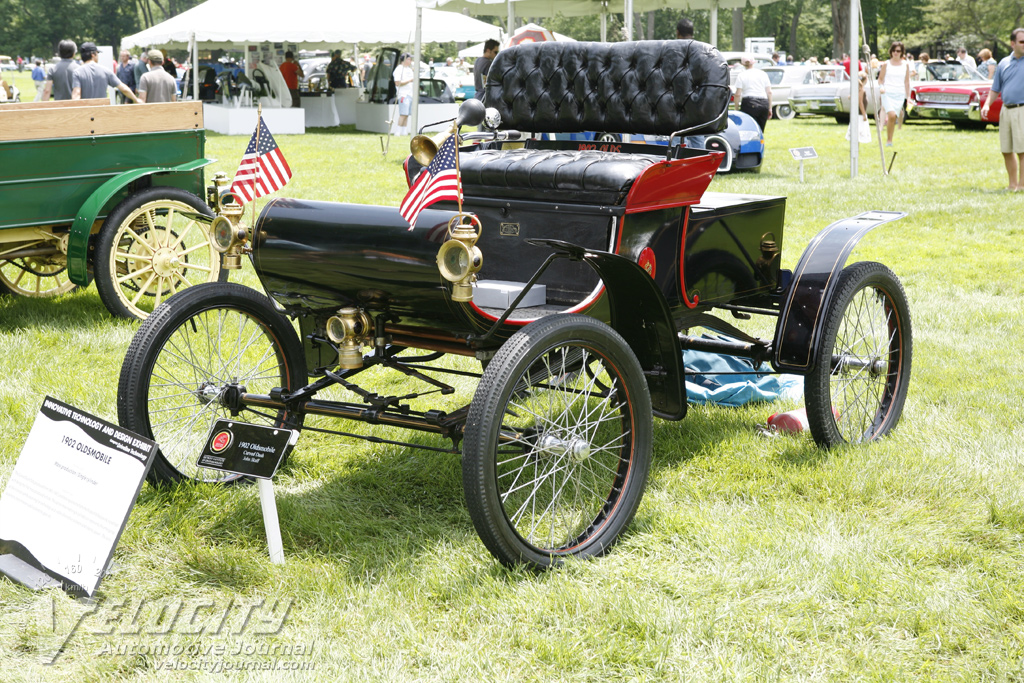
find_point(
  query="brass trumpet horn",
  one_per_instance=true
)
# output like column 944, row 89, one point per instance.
column 424, row 149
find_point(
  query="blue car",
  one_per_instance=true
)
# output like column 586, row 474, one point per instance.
column 742, row 142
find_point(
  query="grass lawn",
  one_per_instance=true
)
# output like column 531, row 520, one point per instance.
column 750, row 558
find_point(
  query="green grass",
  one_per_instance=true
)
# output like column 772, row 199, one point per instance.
column 750, row 558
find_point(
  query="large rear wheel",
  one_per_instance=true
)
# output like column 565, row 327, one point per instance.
column 188, row 362
column 558, row 443
column 858, row 386
column 36, row 276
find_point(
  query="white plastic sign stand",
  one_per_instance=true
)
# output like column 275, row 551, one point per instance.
column 801, row 153
column 69, row 497
column 255, row 451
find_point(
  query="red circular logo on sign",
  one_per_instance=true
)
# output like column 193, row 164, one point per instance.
column 646, row 261
column 221, row 441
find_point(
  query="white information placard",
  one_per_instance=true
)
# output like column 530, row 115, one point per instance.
column 71, row 492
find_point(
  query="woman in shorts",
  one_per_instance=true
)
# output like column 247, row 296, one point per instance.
column 894, row 87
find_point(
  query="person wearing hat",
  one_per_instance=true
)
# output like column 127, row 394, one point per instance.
column 91, row 80
column 156, row 85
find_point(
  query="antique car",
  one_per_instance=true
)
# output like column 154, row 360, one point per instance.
column 90, row 190
column 953, row 92
column 537, row 328
column 741, row 143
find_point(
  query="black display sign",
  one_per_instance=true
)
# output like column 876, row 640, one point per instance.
column 243, row 448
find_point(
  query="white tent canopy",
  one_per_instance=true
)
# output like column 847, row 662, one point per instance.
column 325, row 24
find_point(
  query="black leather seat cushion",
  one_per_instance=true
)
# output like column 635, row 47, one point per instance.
column 589, row 177
column 653, row 87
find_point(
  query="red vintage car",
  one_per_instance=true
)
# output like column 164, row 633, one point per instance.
column 953, row 92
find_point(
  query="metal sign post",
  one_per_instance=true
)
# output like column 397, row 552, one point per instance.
column 801, row 153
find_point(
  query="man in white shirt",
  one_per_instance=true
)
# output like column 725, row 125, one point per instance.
column 754, row 92
column 404, row 76
column 966, row 59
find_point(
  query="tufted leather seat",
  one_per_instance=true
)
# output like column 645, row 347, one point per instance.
column 570, row 176
column 655, row 87
column 651, row 87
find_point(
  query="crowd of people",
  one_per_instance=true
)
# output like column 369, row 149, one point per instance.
column 150, row 78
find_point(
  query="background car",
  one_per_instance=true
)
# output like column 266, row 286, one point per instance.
column 783, row 78
column 742, row 142
column 953, row 92
column 7, row 64
column 819, row 92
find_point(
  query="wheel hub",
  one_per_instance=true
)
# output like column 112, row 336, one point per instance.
column 208, row 393
column 848, row 364
column 166, row 262
column 556, row 447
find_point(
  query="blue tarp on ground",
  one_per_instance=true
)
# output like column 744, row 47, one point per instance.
column 704, row 385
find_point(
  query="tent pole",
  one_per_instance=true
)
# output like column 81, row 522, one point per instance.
column 854, row 91
column 629, row 19
column 714, row 23
column 604, row 27
column 414, row 119
column 195, row 67
column 511, row 18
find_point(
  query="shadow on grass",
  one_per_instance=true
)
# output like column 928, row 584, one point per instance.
column 80, row 309
column 381, row 508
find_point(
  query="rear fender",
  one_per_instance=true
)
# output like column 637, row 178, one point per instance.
column 78, row 241
column 641, row 315
column 812, row 286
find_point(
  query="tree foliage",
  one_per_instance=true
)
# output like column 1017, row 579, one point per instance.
column 800, row 27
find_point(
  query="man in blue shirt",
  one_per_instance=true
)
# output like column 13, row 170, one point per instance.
column 1009, row 82
column 39, row 78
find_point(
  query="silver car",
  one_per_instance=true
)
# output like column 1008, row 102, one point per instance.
column 819, row 92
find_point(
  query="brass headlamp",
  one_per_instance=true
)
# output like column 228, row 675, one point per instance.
column 459, row 259
column 227, row 234
column 351, row 329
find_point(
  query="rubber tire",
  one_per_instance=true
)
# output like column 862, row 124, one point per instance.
column 784, row 112
column 106, row 279
column 842, row 118
column 135, row 399
column 500, row 385
column 828, row 424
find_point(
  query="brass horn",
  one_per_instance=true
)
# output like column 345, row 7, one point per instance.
column 424, row 149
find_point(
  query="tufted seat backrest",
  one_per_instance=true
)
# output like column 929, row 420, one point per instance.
column 654, row 87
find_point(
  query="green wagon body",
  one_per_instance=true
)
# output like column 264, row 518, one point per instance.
column 66, row 166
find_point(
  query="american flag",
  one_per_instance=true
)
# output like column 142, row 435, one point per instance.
column 439, row 180
column 263, row 169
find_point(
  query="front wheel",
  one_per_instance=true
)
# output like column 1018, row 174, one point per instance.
column 188, row 362
column 558, row 443
column 152, row 245
column 858, row 386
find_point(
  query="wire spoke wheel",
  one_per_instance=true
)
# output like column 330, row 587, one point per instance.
column 858, row 387
column 187, row 364
column 557, row 442
column 153, row 245
column 36, row 276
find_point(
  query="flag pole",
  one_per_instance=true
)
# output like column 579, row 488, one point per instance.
column 458, row 170
column 259, row 124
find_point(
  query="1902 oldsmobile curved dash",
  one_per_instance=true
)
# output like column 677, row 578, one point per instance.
column 605, row 259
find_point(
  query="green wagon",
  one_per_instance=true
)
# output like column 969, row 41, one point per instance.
column 111, row 193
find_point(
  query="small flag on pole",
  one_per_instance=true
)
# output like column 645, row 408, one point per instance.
column 263, row 169
column 438, row 181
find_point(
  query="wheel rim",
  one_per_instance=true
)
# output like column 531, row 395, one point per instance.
column 36, row 277
column 865, row 365
column 565, row 449
column 210, row 355
column 158, row 250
